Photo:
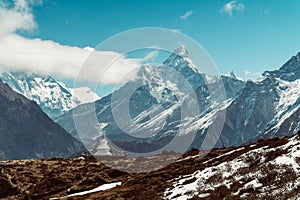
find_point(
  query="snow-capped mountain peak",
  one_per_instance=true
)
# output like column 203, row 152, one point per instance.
column 233, row 75
column 182, row 51
column 252, row 108
column 182, row 63
column 290, row 71
column 180, row 60
column 52, row 96
column 292, row 63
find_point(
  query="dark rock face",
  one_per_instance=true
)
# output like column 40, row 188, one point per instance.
column 7, row 188
column 27, row 133
column 248, row 114
column 266, row 108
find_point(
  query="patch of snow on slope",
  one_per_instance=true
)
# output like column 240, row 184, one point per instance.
column 288, row 103
column 238, row 170
column 254, row 183
column 206, row 118
column 225, row 154
column 289, row 158
column 84, row 94
column 97, row 189
column 211, row 79
column 289, row 94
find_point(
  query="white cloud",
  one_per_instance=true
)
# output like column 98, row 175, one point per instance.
column 231, row 6
column 252, row 75
column 49, row 57
column 187, row 15
column 176, row 31
column 109, row 67
column 18, row 17
column 247, row 72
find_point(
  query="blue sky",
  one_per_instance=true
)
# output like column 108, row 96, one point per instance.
column 262, row 35
column 247, row 37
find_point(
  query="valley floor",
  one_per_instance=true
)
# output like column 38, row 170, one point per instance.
column 266, row 170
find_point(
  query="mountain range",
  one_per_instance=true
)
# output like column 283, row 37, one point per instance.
column 265, row 108
column 26, row 132
column 255, row 156
column 54, row 97
column 174, row 99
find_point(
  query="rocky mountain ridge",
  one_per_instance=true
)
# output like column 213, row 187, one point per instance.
column 54, row 97
column 27, row 133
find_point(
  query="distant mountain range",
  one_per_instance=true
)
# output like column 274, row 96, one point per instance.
column 265, row 108
column 52, row 96
column 154, row 106
column 26, row 132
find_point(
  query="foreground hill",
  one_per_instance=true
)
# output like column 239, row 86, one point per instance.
column 268, row 169
column 27, row 133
